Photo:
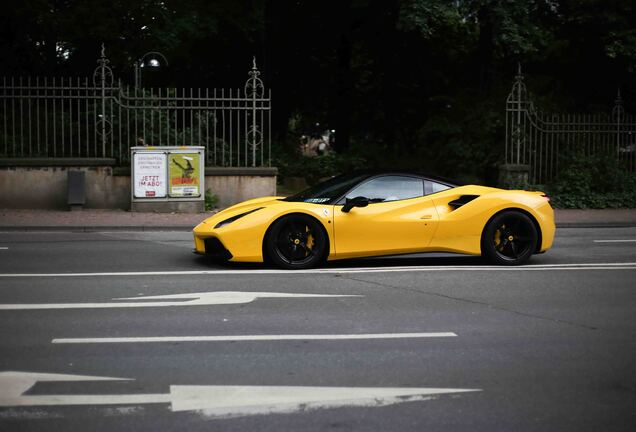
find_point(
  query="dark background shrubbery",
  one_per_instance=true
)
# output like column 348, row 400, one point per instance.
column 593, row 182
column 416, row 84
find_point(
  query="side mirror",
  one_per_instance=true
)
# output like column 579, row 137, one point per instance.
column 355, row 202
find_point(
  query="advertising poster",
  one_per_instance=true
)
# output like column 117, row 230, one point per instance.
column 184, row 174
column 150, row 174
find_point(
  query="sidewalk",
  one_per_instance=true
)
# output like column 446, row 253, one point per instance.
column 97, row 220
column 119, row 220
column 591, row 218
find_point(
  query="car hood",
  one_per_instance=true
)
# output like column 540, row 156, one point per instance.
column 242, row 207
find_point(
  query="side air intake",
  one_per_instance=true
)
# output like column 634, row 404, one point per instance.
column 464, row 199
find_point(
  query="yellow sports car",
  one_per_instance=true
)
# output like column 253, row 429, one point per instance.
column 363, row 214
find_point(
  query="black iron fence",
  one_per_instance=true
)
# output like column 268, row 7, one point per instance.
column 98, row 117
column 540, row 139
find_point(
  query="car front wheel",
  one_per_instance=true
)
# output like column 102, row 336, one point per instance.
column 296, row 242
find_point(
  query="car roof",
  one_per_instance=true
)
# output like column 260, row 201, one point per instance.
column 378, row 172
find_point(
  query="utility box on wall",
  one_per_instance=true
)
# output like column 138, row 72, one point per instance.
column 168, row 179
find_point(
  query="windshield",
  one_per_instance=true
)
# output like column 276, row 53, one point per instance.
column 329, row 190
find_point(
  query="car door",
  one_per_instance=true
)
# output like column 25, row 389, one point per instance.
column 398, row 219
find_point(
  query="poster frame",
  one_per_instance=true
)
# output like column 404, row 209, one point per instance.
column 168, row 150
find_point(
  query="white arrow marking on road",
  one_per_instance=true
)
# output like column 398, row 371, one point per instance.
column 232, row 401
column 14, row 384
column 244, row 338
column 221, row 401
column 187, row 299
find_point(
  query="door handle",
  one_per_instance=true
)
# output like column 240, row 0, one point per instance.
column 427, row 216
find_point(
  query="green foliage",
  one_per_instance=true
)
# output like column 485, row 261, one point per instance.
column 511, row 27
column 417, row 84
column 612, row 29
column 593, row 182
column 312, row 169
column 211, row 200
column 520, row 26
column 622, row 45
column 429, row 17
column 460, row 143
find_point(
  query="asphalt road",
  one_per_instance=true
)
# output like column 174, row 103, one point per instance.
column 402, row 344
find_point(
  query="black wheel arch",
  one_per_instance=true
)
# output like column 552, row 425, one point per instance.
column 520, row 210
column 322, row 226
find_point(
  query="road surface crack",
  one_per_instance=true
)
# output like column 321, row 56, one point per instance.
column 476, row 302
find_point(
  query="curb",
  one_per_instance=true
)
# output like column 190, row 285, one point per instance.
column 97, row 228
column 596, row 224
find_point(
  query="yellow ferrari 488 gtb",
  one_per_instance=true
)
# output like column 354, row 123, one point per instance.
column 364, row 214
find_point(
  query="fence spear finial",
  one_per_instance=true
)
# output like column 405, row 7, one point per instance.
column 254, row 63
column 519, row 76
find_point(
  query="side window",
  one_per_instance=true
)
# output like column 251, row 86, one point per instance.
column 434, row 187
column 389, row 188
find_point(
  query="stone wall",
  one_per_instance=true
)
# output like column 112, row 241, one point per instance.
column 233, row 185
column 514, row 176
column 42, row 183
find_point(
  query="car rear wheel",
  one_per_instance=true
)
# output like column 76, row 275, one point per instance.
column 296, row 242
column 510, row 238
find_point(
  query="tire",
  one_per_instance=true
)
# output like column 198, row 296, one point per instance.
column 296, row 242
column 510, row 238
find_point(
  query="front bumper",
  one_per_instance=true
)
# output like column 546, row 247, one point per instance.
column 208, row 244
column 211, row 247
column 239, row 241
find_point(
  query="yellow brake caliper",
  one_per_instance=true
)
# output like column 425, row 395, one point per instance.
column 497, row 238
column 310, row 243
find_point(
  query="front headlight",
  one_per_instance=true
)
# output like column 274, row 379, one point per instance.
column 233, row 218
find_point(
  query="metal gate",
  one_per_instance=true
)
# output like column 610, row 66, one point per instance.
column 540, row 140
column 78, row 117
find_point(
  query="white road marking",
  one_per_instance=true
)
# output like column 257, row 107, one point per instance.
column 235, row 401
column 241, row 338
column 3, row 248
column 531, row 267
column 14, row 384
column 218, row 401
column 615, row 241
column 187, row 299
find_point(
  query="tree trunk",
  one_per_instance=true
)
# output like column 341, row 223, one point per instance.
column 344, row 81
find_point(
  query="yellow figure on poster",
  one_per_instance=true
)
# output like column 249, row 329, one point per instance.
column 184, row 174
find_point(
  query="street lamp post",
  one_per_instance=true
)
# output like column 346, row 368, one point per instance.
column 150, row 59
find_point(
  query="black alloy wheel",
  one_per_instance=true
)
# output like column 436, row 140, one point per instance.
column 296, row 242
column 510, row 238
